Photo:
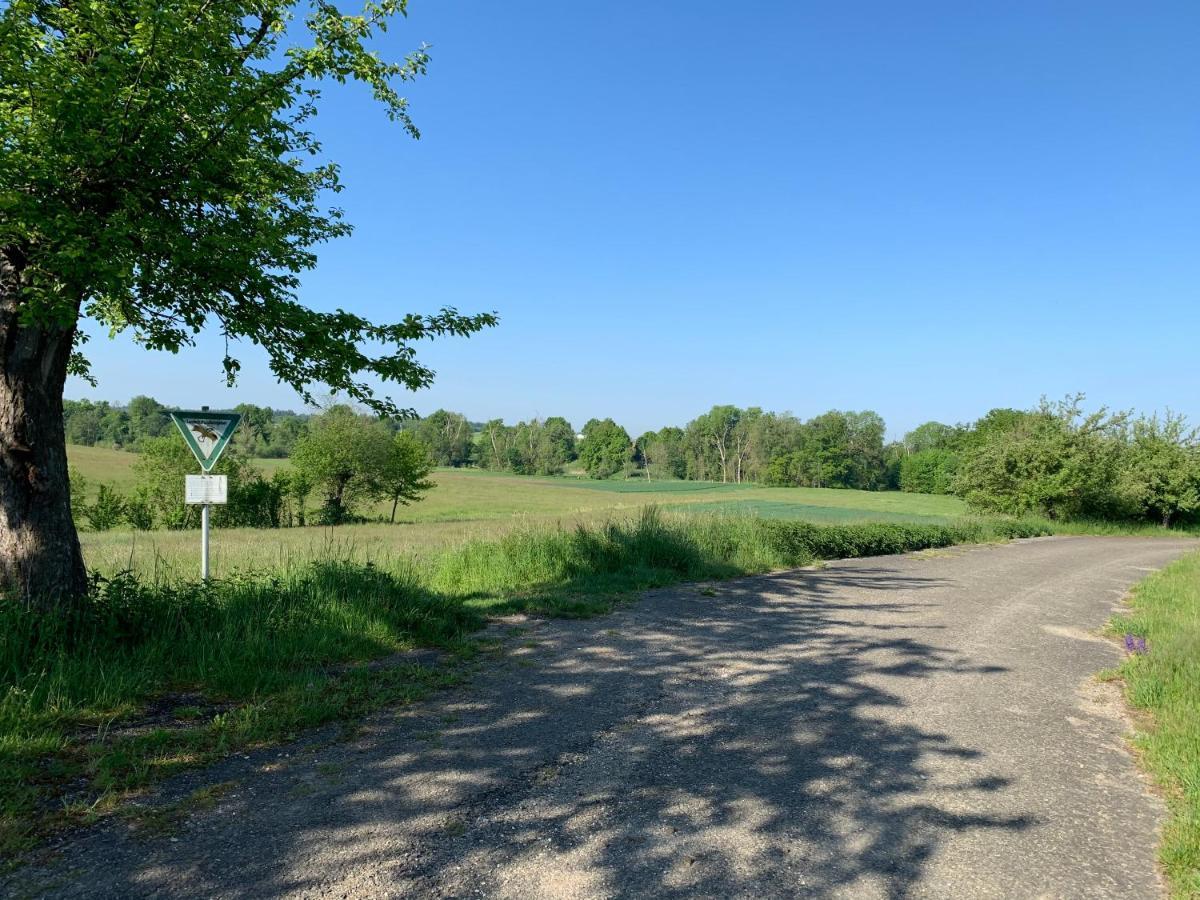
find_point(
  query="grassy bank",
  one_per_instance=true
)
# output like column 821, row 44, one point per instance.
column 154, row 675
column 1164, row 682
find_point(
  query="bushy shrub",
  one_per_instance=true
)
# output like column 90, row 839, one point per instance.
column 138, row 514
column 106, row 511
column 254, row 503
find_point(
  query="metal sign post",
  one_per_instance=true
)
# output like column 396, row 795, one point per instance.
column 204, row 541
column 207, row 435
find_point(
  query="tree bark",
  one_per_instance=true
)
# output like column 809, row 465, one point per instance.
column 40, row 560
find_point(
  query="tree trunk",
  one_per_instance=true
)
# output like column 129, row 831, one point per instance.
column 395, row 501
column 40, row 559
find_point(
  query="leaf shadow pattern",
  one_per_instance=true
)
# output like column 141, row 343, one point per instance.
column 759, row 742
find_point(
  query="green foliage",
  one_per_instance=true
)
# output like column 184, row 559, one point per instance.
column 447, row 435
column 605, row 449
column 263, row 432
column 835, row 449
column 930, row 471
column 797, row 539
column 159, row 175
column 934, row 436
column 1056, row 462
column 139, row 514
column 294, row 487
column 403, row 476
column 1165, row 681
column 271, row 645
column 1064, row 464
column 343, row 456
column 540, row 570
column 661, row 454
column 79, row 492
column 536, row 447
column 108, row 510
column 1161, row 468
column 161, row 468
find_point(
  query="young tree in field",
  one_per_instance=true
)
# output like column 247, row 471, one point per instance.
column 253, row 430
column 1162, row 468
column 158, row 176
column 343, row 456
column 403, row 476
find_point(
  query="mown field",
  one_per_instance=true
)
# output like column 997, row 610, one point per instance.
column 468, row 504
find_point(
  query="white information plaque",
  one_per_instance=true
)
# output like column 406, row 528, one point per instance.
column 206, row 489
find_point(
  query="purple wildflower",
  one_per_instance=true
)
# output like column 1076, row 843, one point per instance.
column 1134, row 644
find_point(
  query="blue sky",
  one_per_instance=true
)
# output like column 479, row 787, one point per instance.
column 925, row 209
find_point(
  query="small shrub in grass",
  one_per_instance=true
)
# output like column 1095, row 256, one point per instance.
column 107, row 512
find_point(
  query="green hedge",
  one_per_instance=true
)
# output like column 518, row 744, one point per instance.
column 803, row 540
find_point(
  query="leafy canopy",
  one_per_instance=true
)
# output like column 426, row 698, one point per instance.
column 158, row 174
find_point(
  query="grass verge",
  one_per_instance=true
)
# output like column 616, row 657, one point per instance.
column 147, row 678
column 1164, row 682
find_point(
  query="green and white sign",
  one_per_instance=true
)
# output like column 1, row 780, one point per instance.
column 207, row 433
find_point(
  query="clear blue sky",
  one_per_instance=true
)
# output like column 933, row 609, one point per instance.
column 926, row 209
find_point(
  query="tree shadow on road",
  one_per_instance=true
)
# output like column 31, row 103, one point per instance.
column 753, row 742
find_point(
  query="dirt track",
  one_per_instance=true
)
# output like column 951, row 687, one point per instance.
column 925, row 725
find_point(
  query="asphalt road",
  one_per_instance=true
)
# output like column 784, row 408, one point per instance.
column 918, row 726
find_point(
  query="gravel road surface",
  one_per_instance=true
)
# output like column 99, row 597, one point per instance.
column 925, row 725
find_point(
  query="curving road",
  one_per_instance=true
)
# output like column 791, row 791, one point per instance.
column 925, row 725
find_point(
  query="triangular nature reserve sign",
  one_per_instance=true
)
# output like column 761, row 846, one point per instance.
column 207, row 433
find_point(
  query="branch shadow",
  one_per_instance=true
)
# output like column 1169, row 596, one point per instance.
column 755, row 742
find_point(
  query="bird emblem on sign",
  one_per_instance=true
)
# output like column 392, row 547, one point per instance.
column 204, row 432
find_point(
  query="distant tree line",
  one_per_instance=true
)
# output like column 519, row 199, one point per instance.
column 264, row 432
column 1055, row 460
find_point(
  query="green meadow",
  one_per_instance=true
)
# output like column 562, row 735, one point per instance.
column 468, row 503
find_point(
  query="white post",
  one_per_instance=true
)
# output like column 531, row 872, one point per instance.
column 204, row 542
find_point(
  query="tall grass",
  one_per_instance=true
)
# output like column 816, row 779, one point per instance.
column 251, row 657
column 1164, row 681
column 255, row 657
column 565, row 571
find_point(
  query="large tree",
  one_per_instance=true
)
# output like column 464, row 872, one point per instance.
column 158, row 176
